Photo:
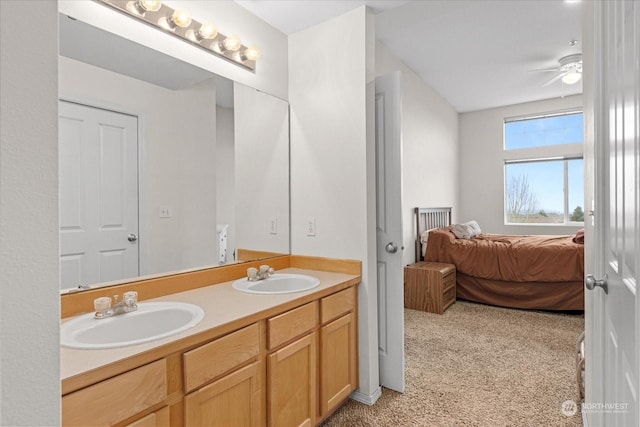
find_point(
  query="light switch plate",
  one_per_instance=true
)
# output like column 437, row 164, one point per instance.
column 165, row 212
column 311, row 227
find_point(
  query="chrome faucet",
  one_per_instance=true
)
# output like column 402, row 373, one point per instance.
column 253, row 274
column 104, row 308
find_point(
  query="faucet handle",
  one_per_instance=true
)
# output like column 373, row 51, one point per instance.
column 102, row 304
column 133, row 295
column 252, row 273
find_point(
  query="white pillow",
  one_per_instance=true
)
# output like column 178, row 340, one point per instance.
column 462, row 231
column 475, row 227
column 424, row 239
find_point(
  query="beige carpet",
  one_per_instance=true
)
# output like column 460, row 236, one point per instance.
column 477, row 365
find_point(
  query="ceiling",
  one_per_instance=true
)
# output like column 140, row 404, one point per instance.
column 477, row 54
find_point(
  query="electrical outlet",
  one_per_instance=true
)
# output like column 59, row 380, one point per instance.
column 311, row 227
column 273, row 225
column 165, row 212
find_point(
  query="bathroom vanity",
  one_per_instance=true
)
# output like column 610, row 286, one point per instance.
column 254, row 360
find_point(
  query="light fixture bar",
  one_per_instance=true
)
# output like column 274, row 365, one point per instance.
column 190, row 30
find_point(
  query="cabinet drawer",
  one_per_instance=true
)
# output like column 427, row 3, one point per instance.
column 118, row 398
column 448, row 281
column 338, row 304
column 291, row 324
column 448, row 297
column 222, row 355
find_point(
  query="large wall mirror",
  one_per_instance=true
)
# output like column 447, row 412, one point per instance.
column 164, row 167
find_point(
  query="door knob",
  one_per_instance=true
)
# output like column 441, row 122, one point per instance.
column 391, row 248
column 132, row 237
column 591, row 283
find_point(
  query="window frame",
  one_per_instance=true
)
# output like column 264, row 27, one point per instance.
column 558, row 152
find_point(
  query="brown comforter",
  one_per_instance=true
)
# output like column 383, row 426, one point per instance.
column 509, row 257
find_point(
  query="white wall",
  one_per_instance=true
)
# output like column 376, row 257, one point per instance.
column 178, row 147
column 261, row 126
column 482, row 166
column 430, row 147
column 332, row 158
column 29, row 299
column 271, row 73
column 225, row 180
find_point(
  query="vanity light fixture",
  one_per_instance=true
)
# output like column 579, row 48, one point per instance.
column 207, row 31
column 142, row 6
column 179, row 23
column 231, row 43
column 180, row 18
column 251, row 53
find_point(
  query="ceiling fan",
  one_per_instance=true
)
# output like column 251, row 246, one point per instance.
column 569, row 70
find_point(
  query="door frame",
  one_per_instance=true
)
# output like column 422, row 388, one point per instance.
column 592, row 113
column 141, row 151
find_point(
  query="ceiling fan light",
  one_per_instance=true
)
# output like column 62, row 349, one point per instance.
column 571, row 77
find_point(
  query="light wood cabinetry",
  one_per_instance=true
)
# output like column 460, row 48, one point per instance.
column 220, row 356
column 338, row 350
column 159, row 418
column 290, row 366
column 292, row 384
column 234, row 400
column 117, row 399
column 292, row 371
column 236, row 397
column 429, row 286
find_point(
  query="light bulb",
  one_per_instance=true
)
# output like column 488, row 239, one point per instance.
column 181, row 18
column 231, row 43
column 571, row 77
column 207, row 31
column 251, row 53
column 150, row 5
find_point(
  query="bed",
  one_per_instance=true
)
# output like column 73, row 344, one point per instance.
column 530, row 272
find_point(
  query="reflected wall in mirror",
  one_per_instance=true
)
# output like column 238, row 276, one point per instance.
column 164, row 167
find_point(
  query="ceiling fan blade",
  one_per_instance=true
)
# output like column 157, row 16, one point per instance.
column 556, row 78
column 545, row 69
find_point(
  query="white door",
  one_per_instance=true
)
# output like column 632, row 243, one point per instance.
column 613, row 315
column 389, row 232
column 98, row 157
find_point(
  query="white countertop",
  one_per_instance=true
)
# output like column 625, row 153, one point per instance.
column 221, row 304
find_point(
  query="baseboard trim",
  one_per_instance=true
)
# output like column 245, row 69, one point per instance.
column 367, row 399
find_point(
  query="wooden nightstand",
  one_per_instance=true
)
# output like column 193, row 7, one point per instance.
column 429, row 286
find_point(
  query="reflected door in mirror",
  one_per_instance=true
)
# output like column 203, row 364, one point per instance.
column 98, row 152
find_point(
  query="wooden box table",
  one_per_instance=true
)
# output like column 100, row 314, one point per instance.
column 429, row 286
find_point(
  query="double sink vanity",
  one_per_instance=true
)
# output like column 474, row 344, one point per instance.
column 211, row 348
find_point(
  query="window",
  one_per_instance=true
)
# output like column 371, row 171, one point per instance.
column 544, row 181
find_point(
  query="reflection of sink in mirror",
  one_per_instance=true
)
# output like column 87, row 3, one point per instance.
column 277, row 284
column 152, row 321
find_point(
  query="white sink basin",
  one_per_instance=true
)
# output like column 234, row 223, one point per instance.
column 152, row 321
column 278, row 284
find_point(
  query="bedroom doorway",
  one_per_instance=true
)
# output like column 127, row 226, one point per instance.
column 389, row 231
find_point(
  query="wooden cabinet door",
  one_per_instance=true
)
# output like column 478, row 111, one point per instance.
column 292, row 384
column 235, row 400
column 159, row 418
column 338, row 362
